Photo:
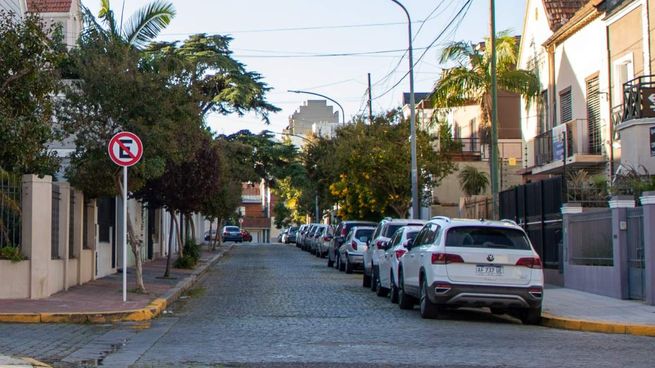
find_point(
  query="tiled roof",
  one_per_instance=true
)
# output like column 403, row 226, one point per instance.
column 49, row 6
column 561, row 11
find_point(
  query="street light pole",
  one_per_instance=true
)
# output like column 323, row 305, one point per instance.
column 412, row 120
column 343, row 114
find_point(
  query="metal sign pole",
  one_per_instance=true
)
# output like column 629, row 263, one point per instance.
column 124, row 233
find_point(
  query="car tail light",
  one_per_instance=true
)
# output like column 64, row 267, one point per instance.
column 379, row 244
column 530, row 262
column 354, row 245
column 445, row 258
column 343, row 231
column 326, row 238
column 399, row 253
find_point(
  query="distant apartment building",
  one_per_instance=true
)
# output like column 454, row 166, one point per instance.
column 314, row 117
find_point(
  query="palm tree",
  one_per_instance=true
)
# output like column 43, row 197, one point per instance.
column 141, row 28
column 470, row 80
column 473, row 181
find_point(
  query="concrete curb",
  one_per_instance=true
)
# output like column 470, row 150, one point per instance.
column 565, row 323
column 152, row 310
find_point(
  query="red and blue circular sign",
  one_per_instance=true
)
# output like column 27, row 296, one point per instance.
column 125, row 149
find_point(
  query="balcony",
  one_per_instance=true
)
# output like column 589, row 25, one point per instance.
column 572, row 140
column 638, row 99
column 467, row 149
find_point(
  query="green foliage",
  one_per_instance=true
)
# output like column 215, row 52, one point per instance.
column 470, row 80
column 634, row 182
column 366, row 167
column 11, row 253
column 191, row 255
column 585, row 188
column 472, row 180
column 29, row 55
column 282, row 215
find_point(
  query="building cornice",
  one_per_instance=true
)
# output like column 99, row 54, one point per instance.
column 587, row 14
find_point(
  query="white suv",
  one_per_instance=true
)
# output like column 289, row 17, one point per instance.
column 472, row 263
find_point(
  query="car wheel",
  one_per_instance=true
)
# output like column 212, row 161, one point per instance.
column 366, row 280
column 379, row 290
column 342, row 267
column 330, row 263
column 404, row 301
column 349, row 266
column 374, row 278
column 394, row 290
column 529, row 316
column 429, row 310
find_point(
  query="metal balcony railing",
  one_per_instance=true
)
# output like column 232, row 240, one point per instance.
column 639, row 98
column 550, row 146
column 468, row 145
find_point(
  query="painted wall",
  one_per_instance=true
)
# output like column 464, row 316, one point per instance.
column 16, row 279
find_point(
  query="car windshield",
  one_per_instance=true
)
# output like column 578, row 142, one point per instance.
column 487, row 237
column 364, row 235
column 232, row 229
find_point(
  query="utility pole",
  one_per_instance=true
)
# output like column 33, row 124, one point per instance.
column 494, row 110
column 416, row 206
column 370, row 101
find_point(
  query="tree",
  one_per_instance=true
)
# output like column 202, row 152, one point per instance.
column 29, row 55
column 141, row 28
column 470, row 80
column 472, row 180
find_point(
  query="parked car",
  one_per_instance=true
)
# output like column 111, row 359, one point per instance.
column 323, row 241
column 340, row 234
column 283, row 236
column 386, row 282
column 300, row 234
column 378, row 245
column 351, row 252
column 472, row 263
column 245, row 235
column 291, row 235
column 315, row 238
column 232, row 233
column 309, row 236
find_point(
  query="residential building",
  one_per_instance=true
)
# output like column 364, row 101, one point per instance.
column 17, row 7
column 256, row 211
column 313, row 115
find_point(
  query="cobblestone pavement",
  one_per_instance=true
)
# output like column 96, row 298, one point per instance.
column 276, row 306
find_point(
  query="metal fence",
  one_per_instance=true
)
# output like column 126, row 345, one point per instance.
column 54, row 231
column 636, row 259
column 10, row 210
column 591, row 238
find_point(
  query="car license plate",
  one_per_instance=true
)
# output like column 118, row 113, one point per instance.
column 489, row 270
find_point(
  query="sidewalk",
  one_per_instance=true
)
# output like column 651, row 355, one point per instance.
column 576, row 310
column 101, row 300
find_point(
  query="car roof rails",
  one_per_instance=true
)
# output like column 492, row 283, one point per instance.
column 509, row 221
column 445, row 218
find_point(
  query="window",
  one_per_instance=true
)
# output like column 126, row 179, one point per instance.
column 364, row 235
column 565, row 106
column 623, row 72
column 593, row 116
column 486, row 237
column 428, row 235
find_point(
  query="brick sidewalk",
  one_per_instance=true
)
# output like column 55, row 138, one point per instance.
column 103, row 297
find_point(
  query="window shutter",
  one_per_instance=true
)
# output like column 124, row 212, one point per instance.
column 566, row 113
column 593, row 116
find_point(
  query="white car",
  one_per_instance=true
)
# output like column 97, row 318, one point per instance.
column 472, row 263
column 389, row 263
column 351, row 252
column 378, row 245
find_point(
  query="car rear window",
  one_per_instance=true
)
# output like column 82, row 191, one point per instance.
column 364, row 234
column 411, row 235
column 231, row 228
column 487, row 237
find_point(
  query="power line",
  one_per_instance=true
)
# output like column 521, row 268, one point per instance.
column 462, row 12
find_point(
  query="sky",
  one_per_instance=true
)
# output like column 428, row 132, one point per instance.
column 300, row 45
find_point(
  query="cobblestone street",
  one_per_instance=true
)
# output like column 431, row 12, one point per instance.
column 275, row 305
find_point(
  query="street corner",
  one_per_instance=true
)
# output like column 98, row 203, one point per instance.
column 21, row 362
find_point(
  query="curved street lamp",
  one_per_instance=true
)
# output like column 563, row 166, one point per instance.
column 343, row 114
column 412, row 119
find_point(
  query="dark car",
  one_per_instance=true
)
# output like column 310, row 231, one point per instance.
column 232, row 233
column 245, row 235
column 339, row 235
column 291, row 235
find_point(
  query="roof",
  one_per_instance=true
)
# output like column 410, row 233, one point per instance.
column 559, row 12
column 49, row 6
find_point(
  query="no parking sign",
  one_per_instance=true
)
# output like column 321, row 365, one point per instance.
column 125, row 149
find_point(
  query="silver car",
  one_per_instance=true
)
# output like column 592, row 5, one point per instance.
column 351, row 252
column 389, row 263
column 323, row 241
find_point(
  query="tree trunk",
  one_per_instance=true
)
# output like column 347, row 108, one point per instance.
column 170, row 245
column 193, row 227
column 135, row 244
column 180, row 246
column 220, row 224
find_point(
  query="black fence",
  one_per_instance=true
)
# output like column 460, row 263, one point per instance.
column 537, row 208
